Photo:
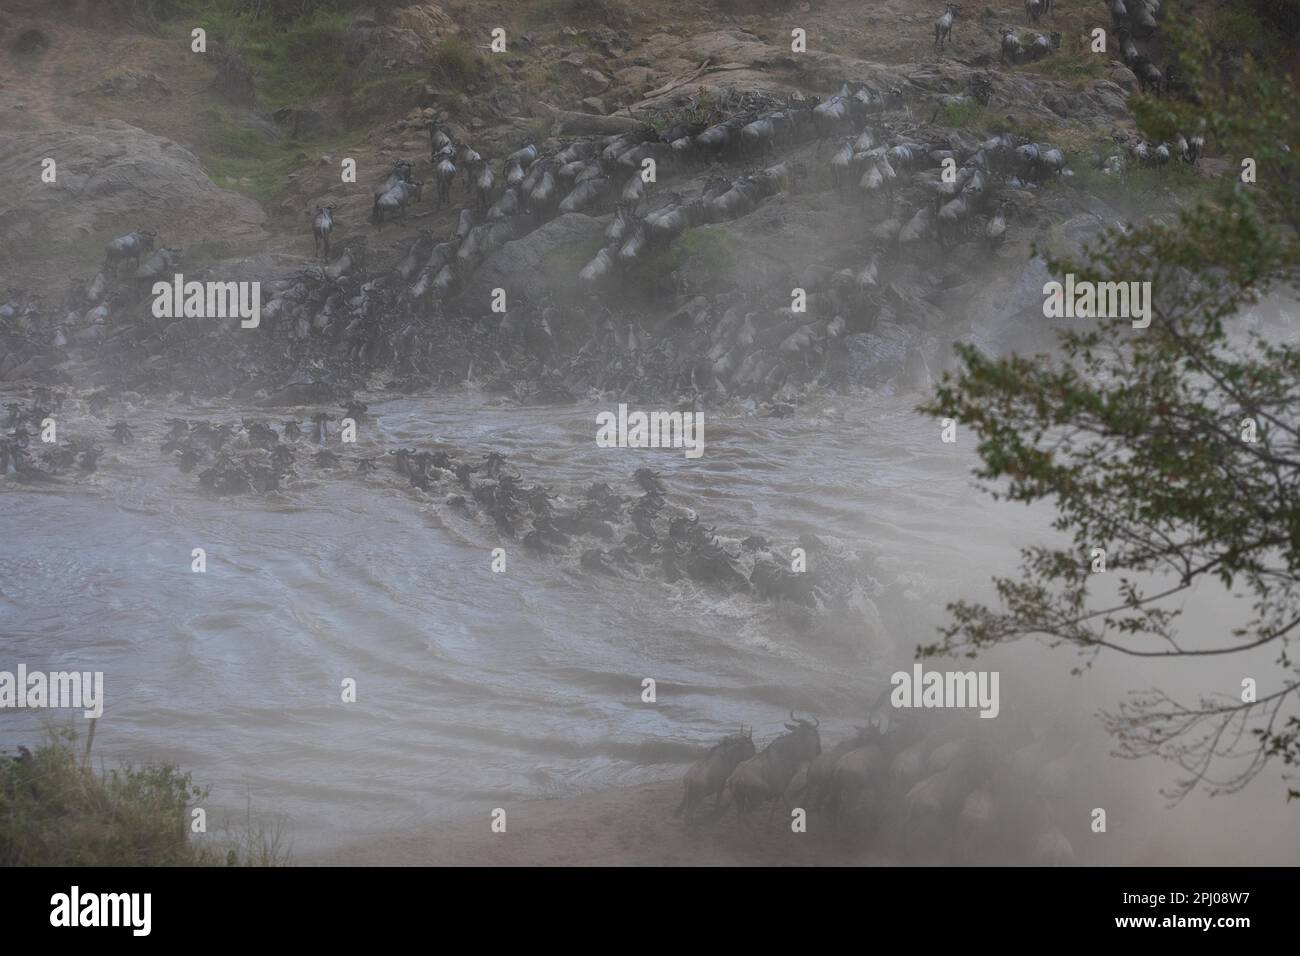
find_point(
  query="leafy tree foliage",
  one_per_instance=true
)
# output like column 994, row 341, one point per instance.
column 1139, row 438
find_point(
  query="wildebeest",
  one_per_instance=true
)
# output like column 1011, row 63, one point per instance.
column 860, row 771
column 468, row 159
column 438, row 141
column 1036, row 159
column 131, row 246
column 715, row 140
column 1150, row 79
column 321, row 227
column 816, row 784
column 415, row 255
column 161, row 262
column 585, row 194
column 524, row 157
column 764, row 777
column 740, row 199
column 513, row 173
column 397, row 199
column 483, row 185
column 592, row 275
column 996, row 230
column 842, row 166
column 666, row 224
column 1011, row 49
column 1033, row 10
column 401, row 173
column 505, row 206
column 828, row 117
column 1142, row 18
column 633, row 191
column 1128, row 50
column 950, row 217
column 1043, row 46
column 633, row 245
column 758, row 136
column 943, row 26
column 542, row 198
column 618, row 226
column 445, row 173
column 710, row 773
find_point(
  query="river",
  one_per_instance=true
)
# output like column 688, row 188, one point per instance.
column 473, row 687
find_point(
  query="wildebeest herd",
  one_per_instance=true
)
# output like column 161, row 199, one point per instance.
column 919, row 788
column 912, row 185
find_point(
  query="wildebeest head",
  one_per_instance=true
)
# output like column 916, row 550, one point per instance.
column 738, row 746
column 807, row 741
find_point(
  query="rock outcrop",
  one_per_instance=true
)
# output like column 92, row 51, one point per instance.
column 112, row 178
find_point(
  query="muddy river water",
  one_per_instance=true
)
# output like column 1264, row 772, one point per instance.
column 473, row 687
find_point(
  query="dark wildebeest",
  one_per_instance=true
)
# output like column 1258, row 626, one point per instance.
column 483, row 185
column 468, row 159
column 397, row 199
column 859, row 771
column 764, row 778
column 445, row 172
column 709, row 774
column 1012, row 52
column 131, row 246
column 943, row 26
column 321, row 227
column 814, row 790
column 438, row 141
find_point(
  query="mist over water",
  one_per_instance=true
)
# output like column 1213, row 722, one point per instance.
column 474, row 688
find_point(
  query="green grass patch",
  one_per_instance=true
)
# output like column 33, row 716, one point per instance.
column 1142, row 187
column 1031, row 128
column 969, row 115
column 710, row 249
column 56, row 811
column 246, row 161
column 393, row 92
column 292, row 60
column 1081, row 68
column 457, row 63
column 564, row 262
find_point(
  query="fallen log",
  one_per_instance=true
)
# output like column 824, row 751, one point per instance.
column 575, row 123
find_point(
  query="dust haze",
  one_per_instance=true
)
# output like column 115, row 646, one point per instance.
column 395, row 481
